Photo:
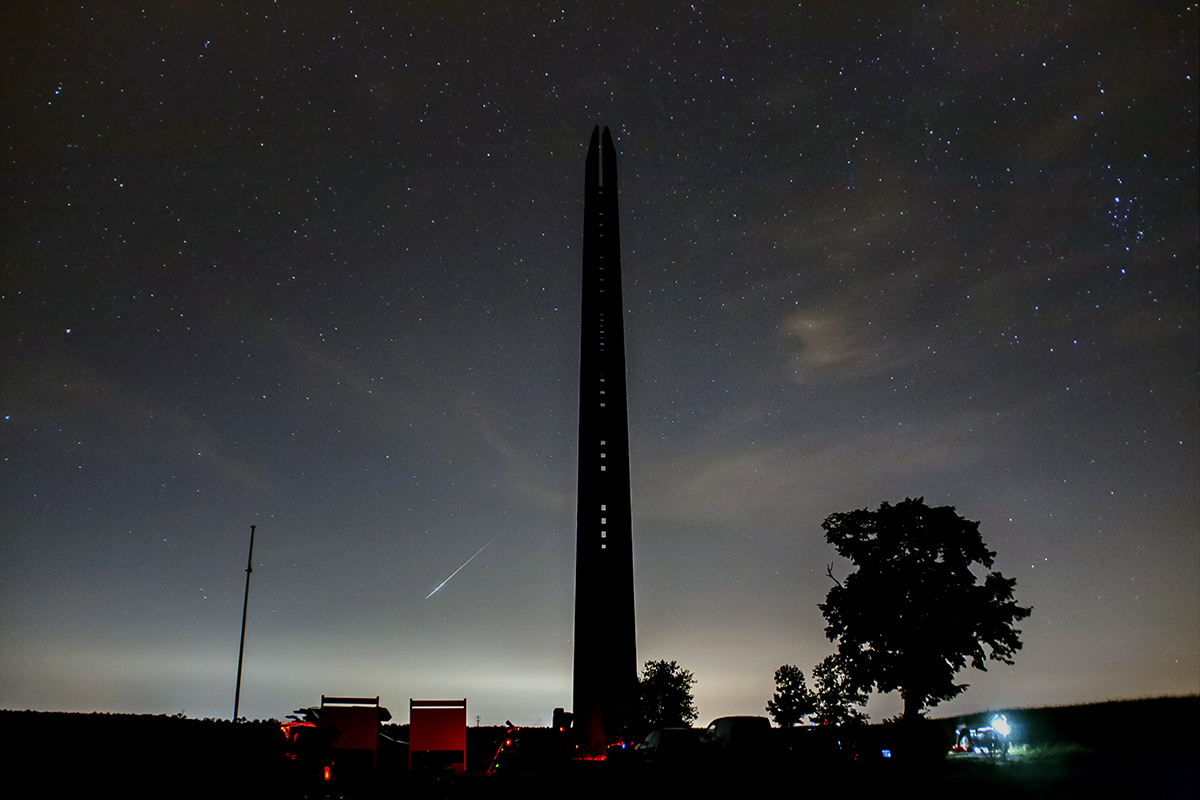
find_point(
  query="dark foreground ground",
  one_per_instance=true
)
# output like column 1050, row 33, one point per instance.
column 1141, row 748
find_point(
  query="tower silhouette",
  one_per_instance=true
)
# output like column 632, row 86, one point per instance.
column 605, row 672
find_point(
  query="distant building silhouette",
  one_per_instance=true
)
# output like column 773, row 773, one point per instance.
column 605, row 673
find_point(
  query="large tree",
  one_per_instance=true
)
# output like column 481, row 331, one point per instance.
column 792, row 701
column 913, row 614
column 665, row 695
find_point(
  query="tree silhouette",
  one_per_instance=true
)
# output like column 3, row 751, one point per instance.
column 792, row 701
column 665, row 695
column 835, row 695
column 912, row 616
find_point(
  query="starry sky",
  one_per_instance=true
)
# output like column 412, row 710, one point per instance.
column 315, row 267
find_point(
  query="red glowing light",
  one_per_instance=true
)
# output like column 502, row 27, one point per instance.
column 328, row 772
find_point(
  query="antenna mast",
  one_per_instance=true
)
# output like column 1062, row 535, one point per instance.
column 237, row 693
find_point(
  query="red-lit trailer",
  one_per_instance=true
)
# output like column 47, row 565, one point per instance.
column 337, row 741
column 437, row 735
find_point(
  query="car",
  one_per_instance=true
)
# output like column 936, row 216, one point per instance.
column 669, row 745
column 737, row 732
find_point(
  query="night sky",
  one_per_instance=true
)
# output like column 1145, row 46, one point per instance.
column 316, row 268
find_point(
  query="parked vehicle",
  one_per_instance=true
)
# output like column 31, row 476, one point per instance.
column 734, row 742
column 336, row 742
column 669, row 745
column 991, row 739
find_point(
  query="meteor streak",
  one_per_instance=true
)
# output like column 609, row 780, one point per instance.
column 468, row 561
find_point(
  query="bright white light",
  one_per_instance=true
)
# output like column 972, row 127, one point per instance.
column 1000, row 725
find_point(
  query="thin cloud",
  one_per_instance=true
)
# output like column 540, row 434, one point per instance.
column 828, row 344
column 60, row 392
column 736, row 483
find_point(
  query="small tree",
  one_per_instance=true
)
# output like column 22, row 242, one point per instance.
column 665, row 695
column 835, row 695
column 792, row 701
column 912, row 616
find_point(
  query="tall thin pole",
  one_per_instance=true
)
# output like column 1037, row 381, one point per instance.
column 237, row 693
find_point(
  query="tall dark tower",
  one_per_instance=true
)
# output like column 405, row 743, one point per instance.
column 605, row 679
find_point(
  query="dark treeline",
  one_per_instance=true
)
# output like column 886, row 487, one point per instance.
column 1109, row 749
column 142, row 752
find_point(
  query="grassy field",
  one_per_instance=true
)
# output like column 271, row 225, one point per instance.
column 1135, row 748
column 1130, row 748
